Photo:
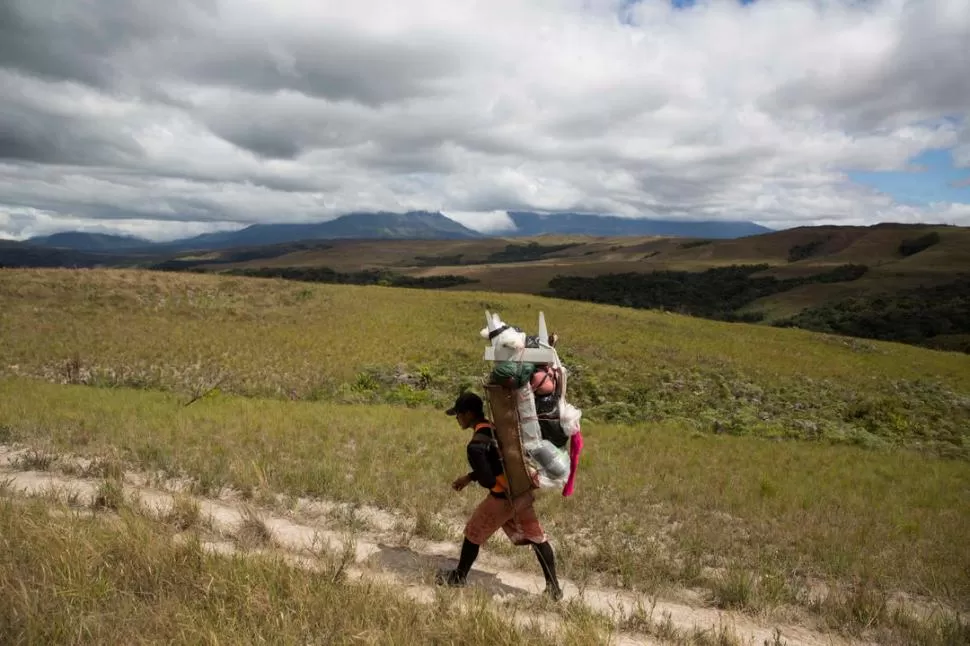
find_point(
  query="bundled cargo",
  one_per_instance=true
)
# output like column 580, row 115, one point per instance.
column 538, row 430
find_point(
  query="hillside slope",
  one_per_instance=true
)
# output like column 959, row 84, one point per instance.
column 834, row 279
column 333, row 340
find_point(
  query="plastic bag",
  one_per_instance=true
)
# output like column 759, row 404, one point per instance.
column 512, row 374
column 569, row 417
column 554, row 462
column 548, row 464
column 529, row 429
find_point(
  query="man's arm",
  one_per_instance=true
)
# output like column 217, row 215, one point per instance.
column 478, row 459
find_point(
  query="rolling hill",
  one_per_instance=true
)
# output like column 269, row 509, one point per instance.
column 792, row 277
column 22, row 254
column 873, row 281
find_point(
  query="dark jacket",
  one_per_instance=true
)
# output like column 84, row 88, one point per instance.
column 484, row 458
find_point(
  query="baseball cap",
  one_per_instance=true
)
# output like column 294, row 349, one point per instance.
column 467, row 402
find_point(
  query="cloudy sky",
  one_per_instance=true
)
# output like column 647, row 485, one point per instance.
column 173, row 118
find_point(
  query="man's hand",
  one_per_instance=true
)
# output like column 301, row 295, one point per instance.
column 461, row 483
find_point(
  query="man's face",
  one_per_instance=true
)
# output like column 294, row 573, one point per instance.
column 464, row 419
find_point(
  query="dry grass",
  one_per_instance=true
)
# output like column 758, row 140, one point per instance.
column 758, row 524
column 78, row 579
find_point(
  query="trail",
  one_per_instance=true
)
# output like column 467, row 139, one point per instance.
column 376, row 552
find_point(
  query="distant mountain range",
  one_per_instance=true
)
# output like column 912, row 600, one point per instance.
column 414, row 225
column 535, row 224
column 94, row 242
column 418, row 225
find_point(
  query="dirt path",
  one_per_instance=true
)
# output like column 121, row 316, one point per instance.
column 376, row 551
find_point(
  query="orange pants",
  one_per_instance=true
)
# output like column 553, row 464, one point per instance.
column 519, row 524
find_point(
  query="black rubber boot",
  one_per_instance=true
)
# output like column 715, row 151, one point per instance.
column 451, row 578
column 547, row 561
column 459, row 576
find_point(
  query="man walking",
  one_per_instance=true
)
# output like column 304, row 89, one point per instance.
column 517, row 518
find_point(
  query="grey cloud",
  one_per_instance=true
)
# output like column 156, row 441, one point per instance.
column 275, row 130
column 394, row 160
column 286, row 127
column 125, row 45
column 84, row 40
column 267, row 143
column 33, row 132
column 924, row 75
column 329, row 64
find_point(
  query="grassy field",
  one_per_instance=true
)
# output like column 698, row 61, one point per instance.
column 350, row 344
column 772, row 470
column 120, row 578
column 755, row 524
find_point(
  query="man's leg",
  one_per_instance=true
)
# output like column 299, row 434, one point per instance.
column 490, row 514
column 469, row 552
column 524, row 528
column 547, row 561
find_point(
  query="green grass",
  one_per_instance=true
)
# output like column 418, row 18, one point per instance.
column 755, row 464
column 81, row 579
column 372, row 344
column 655, row 504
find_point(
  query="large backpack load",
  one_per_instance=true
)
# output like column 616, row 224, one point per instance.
column 537, row 429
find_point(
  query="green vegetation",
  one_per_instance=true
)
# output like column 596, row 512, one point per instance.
column 915, row 245
column 806, row 250
column 915, row 316
column 656, row 506
column 511, row 253
column 439, row 261
column 345, row 343
column 526, row 252
column 371, row 277
column 694, row 243
column 717, row 293
column 239, row 255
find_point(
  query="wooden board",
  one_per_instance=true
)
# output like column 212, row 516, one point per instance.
column 505, row 416
column 529, row 355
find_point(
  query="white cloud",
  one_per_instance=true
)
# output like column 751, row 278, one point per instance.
column 20, row 224
column 497, row 222
column 252, row 110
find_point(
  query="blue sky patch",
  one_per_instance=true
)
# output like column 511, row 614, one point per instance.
column 934, row 180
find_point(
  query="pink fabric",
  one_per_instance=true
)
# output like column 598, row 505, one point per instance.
column 575, row 448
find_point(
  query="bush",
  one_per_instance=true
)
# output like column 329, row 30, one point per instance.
column 807, row 250
column 367, row 277
column 716, row 293
column 916, row 245
column 913, row 316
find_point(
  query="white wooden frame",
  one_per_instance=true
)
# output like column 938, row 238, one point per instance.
column 544, row 354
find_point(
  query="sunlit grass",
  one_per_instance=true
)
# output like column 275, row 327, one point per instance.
column 80, row 579
column 191, row 333
column 655, row 506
